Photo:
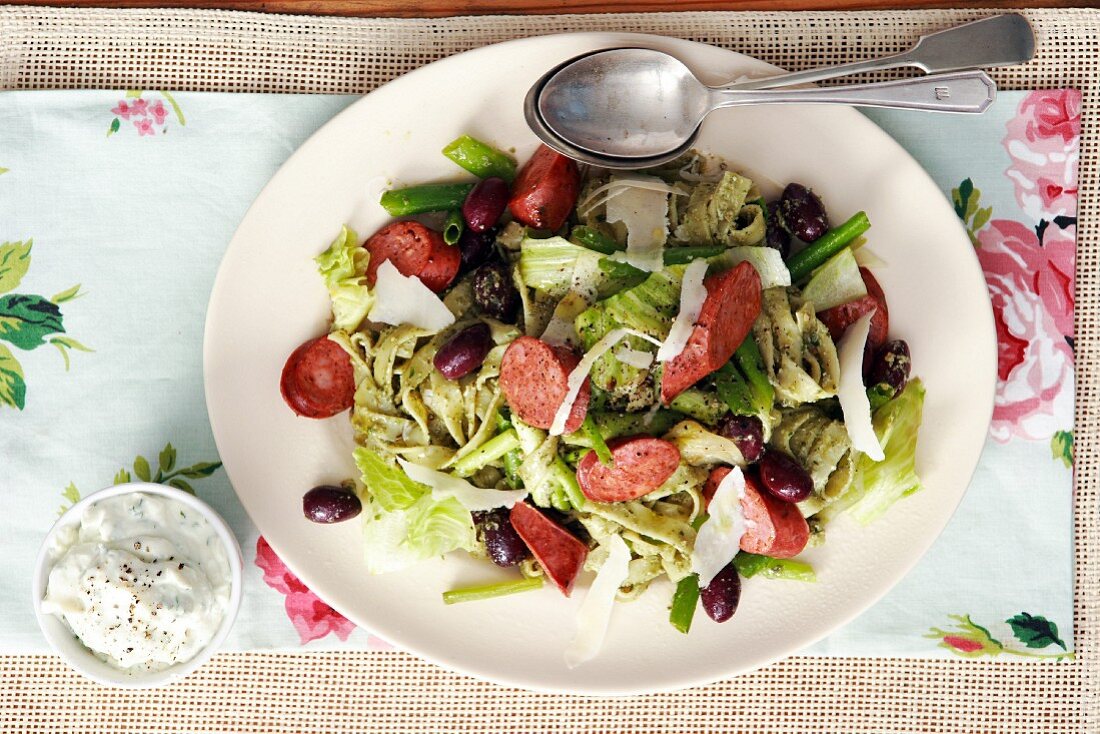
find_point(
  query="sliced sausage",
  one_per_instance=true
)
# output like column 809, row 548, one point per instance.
column 731, row 306
column 838, row 318
column 545, row 190
column 774, row 528
column 414, row 250
column 639, row 464
column 559, row 553
column 317, row 379
column 534, row 378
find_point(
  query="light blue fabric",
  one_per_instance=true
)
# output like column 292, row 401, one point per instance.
column 141, row 222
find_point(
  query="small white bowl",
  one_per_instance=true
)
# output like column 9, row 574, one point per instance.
column 73, row 651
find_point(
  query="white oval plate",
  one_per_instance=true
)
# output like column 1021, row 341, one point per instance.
column 268, row 299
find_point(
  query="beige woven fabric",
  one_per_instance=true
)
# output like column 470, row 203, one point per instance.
column 394, row 692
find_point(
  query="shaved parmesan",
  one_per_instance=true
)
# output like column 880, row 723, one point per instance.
column 767, row 261
column 852, row 392
column 634, row 357
column 619, row 184
column 642, row 207
column 578, row 376
column 595, row 612
column 719, row 537
column 475, row 499
column 402, row 299
column 692, row 296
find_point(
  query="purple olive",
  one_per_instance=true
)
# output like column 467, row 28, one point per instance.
column 784, row 477
column 464, row 352
column 747, row 431
column 777, row 238
column 891, row 365
column 494, row 291
column 721, row 595
column 485, row 203
column 802, row 214
column 475, row 248
column 328, row 504
column 504, row 545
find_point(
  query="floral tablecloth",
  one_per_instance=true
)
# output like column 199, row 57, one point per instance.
column 115, row 208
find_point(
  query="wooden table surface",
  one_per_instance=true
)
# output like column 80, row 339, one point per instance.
column 437, row 8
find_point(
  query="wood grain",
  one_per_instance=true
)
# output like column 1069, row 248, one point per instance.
column 440, row 8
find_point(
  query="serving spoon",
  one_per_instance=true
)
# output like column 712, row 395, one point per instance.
column 1001, row 40
column 638, row 107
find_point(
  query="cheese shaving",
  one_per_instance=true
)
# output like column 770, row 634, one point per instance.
column 595, row 613
column 719, row 537
column 692, row 296
column 620, row 183
column 578, row 376
column 642, row 208
column 475, row 499
column 402, row 299
column 852, row 392
column 634, row 357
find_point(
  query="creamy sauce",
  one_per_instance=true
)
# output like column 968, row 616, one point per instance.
column 143, row 581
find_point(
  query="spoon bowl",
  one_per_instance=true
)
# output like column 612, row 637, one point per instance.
column 626, row 103
column 636, row 107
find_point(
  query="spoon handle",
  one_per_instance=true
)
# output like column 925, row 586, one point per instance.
column 826, row 72
column 963, row 91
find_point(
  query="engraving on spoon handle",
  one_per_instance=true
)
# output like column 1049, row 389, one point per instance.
column 966, row 92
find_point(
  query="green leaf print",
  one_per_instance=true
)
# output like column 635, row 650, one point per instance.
column 1035, row 632
column 141, row 468
column 71, row 495
column 1061, row 446
column 166, row 461
column 966, row 198
column 13, row 389
column 3, row 171
column 26, row 320
column 114, row 128
column 15, row 260
column 167, row 458
column 67, row 295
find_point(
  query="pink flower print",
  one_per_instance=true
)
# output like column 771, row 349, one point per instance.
column 1030, row 295
column 159, row 112
column 311, row 617
column 962, row 644
column 144, row 127
column 122, row 110
column 1043, row 142
column 1006, row 246
column 139, row 108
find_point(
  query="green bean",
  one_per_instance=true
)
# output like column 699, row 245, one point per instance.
column 512, row 461
column 829, row 244
column 684, row 255
column 490, row 591
column 453, row 227
column 750, row 564
column 480, row 159
column 593, row 239
column 751, row 362
column 488, row 452
column 598, row 444
column 424, row 198
column 734, row 390
column 684, row 601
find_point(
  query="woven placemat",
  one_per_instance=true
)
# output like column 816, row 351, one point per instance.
column 394, row 692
